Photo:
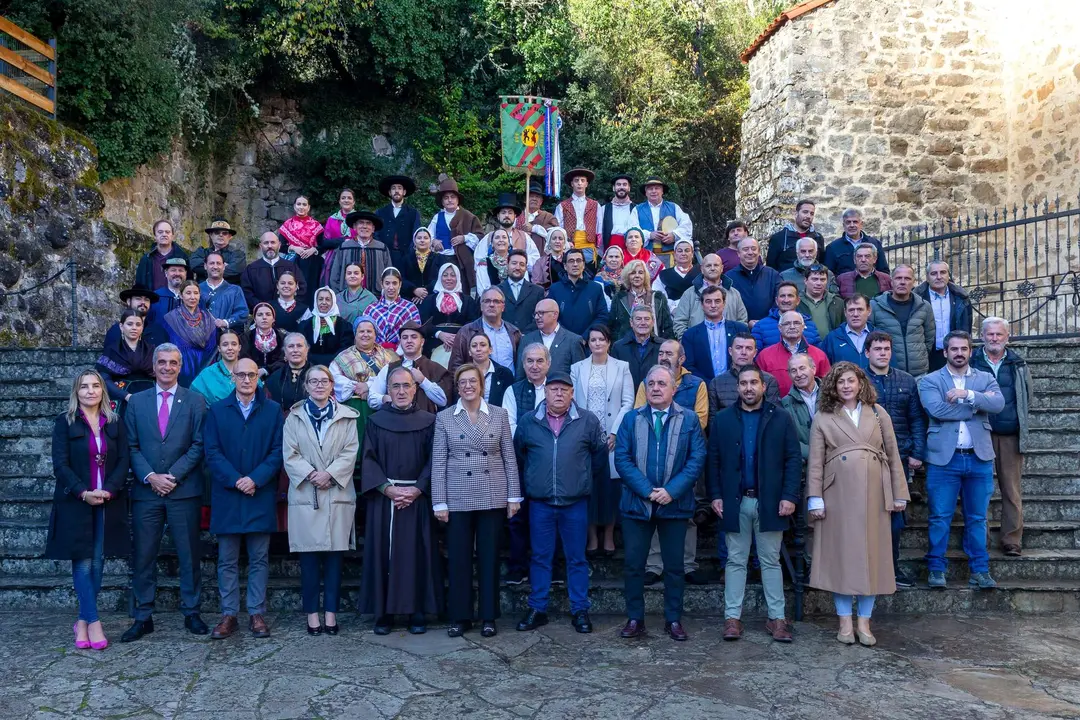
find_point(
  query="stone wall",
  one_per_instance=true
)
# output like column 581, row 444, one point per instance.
column 50, row 214
column 249, row 189
column 913, row 110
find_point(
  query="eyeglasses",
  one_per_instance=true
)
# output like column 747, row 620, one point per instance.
column 792, row 323
column 817, row 267
column 468, row 382
column 492, row 301
column 541, row 313
column 402, row 386
column 318, row 382
column 245, row 375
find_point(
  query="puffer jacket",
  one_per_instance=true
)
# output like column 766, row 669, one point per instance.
column 553, row 467
column 898, row 393
column 911, row 351
column 767, row 330
column 724, row 390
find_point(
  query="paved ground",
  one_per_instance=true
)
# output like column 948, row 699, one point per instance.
column 924, row 667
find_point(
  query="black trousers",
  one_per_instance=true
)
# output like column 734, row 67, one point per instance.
column 482, row 528
column 637, row 536
column 148, row 520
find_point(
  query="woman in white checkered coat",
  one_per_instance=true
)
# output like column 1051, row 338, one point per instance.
column 474, row 485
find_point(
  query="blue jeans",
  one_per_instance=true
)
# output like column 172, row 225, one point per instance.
column 571, row 522
column 965, row 475
column 843, row 604
column 86, row 573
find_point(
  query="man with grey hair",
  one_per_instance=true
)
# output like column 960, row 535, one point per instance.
column 774, row 359
column 659, row 454
column 806, row 258
column 864, row 279
column 505, row 337
column 840, row 253
column 951, row 305
column 689, row 311
column 1008, row 428
column 641, row 348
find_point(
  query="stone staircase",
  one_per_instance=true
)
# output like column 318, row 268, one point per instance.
column 34, row 386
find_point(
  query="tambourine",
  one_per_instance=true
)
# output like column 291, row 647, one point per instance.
column 669, row 224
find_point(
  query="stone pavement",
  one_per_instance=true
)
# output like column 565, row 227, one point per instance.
column 937, row 667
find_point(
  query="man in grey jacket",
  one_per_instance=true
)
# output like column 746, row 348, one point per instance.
column 689, row 311
column 909, row 319
column 563, row 451
column 960, row 453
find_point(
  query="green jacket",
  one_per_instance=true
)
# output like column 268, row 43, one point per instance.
column 794, row 403
column 827, row 313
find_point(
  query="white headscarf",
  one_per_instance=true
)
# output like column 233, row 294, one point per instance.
column 327, row 318
column 443, row 293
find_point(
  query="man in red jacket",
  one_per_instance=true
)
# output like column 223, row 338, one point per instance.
column 774, row 359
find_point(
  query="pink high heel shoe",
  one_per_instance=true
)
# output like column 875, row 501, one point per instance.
column 98, row 645
column 80, row 644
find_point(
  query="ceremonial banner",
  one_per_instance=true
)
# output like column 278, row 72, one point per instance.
column 530, row 138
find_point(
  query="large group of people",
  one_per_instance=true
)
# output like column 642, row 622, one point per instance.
column 549, row 378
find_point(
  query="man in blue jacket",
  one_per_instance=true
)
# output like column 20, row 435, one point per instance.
column 848, row 342
column 582, row 303
column 706, row 344
column 840, row 253
column 242, row 436
column 756, row 282
column 659, row 453
column 563, row 453
column 767, row 330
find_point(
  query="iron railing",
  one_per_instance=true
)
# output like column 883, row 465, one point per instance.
column 69, row 269
column 1021, row 264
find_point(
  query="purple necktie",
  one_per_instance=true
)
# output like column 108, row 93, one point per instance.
column 163, row 413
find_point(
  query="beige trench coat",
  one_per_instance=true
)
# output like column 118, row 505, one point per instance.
column 331, row 526
column 857, row 471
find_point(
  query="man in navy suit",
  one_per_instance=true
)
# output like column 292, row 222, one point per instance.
column 960, row 453
column 706, row 344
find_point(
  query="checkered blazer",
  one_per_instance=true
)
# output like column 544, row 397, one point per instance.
column 473, row 466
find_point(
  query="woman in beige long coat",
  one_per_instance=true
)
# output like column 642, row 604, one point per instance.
column 854, row 481
column 320, row 446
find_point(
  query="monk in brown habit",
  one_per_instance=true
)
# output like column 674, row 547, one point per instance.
column 401, row 569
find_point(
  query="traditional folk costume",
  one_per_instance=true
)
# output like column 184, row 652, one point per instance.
column 327, row 333
column 399, row 222
column 615, row 219
column 372, row 257
column 579, row 216
column 538, row 223
column 654, row 218
column 126, row 370
column 353, row 366
column 446, row 310
column 445, row 226
column 305, row 232
column 195, row 334
column 389, row 317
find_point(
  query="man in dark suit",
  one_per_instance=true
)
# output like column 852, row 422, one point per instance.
column 259, row 279
column 706, row 344
column 565, row 347
column 521, row 294
column 641, row 348
column 164, row 428
column 505, row 337
column 951, row 306
column 399, row 221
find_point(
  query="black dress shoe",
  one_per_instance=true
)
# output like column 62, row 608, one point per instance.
column 532, row 620
column 138, row 629
column 459, row 628
column 694, row 578
column 581, row 622
column 489, row 629
column 383, row 625
column 651, row 578
column 317, row 630
column 330, row 629
column 417, row 624
column 675, row 630
column 195, row 625
column 633, row 629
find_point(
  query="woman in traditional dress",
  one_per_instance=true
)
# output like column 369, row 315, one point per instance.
column 446, row 309
column 288, row 311
column 421, row 268
column 326, row 332
column 264, row 340
column 635, row 250
column 336, row 230
column 854, row 482
column 301, row 235
column 127, row 366
column 193, row 331
column 491, row 270
column 356, row 366
column 610, row 274
column 216, row 382
column 391, row 311
column 637, row 290
column 355, row 298
column 605, row 387
column 320, row 446
column 549, row 268
column 401, row 563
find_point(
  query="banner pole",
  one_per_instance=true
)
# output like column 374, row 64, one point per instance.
column 528, row 180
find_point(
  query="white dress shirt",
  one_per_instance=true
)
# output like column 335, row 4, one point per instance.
column 470, row 238
column 963, row 437
column 622, row 217
column 511, row 408
column 378, row 387
column 548, row 339
column 942, row 307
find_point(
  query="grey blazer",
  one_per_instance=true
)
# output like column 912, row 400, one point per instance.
column 179, row 453
column 945, row 417
column 566, row 349
column 473, row 467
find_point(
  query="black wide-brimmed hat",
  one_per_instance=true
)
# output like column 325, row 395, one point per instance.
column 654, row 180
column 355, row 215
column 139, row 291
column 623, row 176
column 405, row 182
column 536, row 188
column 507, row 200
column 583, row 172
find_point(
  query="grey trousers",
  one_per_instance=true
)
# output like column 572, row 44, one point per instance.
column 768, row 548
column 228, row 572
column 148, row 519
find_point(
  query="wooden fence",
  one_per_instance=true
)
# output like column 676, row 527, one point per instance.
column 27, row 67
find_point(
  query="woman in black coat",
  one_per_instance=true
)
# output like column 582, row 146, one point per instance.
column 89, row 514
column 417, row 281
column 265, row 341
column 446, row 309
column 326, row 331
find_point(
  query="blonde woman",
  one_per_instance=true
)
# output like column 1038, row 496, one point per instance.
column 89, row 516
column 636, row 289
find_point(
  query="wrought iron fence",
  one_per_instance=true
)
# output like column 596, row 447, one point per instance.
column 1021, row 264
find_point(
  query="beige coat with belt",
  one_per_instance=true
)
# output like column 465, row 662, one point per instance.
column 321, row 520
column 857, row 471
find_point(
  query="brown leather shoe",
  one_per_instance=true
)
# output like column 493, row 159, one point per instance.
column 675, row 630
column 259, row 628
column 1011, row 550
column 779, row 629
column 633, row 629
column 732, row 629
column 226, row 628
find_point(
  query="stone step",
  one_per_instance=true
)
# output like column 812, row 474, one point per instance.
column 1036, row 564
column 1036, row 508
column 1063, row 417
column 1051, row 438
column 1064, row 459
column 23, row 465
column 1051, row 398
column 27, row 592
column 1043, row 535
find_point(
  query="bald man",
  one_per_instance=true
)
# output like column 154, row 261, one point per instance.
column 259, row 279
column 566, row 348
column 689, row 311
